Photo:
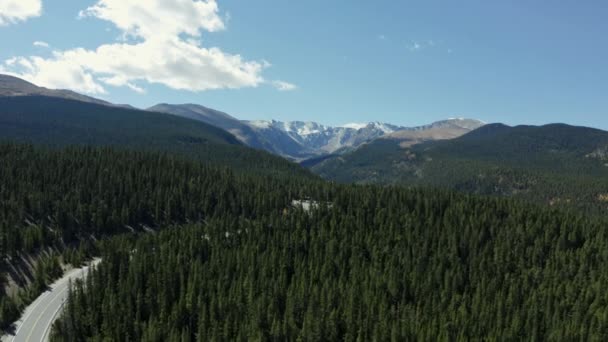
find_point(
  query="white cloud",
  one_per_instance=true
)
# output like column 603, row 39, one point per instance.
column 41, row 44
column 136, row 88
column 284, row 86
column 55, row 73
column 13, row 11
column 154, row 18
column 162, row 45
column 382, row 37
column 121, row 82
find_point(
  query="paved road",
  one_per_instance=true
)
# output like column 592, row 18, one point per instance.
column 37, row 319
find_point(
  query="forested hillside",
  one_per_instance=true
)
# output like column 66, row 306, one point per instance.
column 384, row 264
column 57, row 122
column 52, row 198
column 77, row 192
column 557, row 165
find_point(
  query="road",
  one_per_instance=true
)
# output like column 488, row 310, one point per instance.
column 37, row 319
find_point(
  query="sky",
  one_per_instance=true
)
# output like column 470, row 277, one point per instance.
column 330, row 61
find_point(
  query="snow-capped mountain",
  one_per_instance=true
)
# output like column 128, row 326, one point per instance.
column 314, row 139
column 299, row 140
column 384, row 127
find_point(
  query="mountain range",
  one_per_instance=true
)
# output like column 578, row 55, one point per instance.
column 295, row 140
column 555, row 164
column 299, row 140
column 33, row 115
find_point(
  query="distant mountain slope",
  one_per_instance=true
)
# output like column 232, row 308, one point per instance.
column 57, row 121
column 216, row 118
column 441, row 130
column 294, row 140
column 60, row 121
column 501, row 142
column 12, row 86
column 553, row 164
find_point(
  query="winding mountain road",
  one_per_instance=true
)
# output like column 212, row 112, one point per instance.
column 38, row 317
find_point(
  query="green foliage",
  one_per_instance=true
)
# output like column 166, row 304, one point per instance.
column 9, row 311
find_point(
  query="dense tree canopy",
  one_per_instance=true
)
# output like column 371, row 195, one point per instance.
column 196, row 252
column 372, row 264
column 51, row 195
column 51, row 198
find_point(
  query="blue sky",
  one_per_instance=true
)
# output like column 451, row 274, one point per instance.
column 403, row 62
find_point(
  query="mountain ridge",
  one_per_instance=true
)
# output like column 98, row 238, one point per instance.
column 293, row 140
column 554, row 164
column 301, row 140
column 11, row 86
column 215, row 118
column 58, row 122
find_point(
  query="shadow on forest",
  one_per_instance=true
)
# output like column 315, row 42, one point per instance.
column 20, row 270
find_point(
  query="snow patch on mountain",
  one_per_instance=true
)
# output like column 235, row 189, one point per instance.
column 315, row 139
column 263, row 124
column 355, row 125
